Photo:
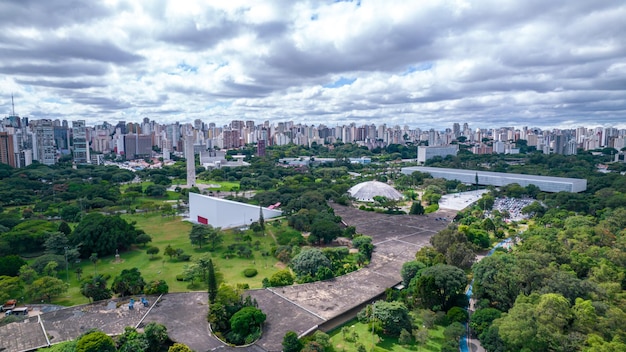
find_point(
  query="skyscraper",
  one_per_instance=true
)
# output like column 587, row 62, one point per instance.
column 191, row 161
column 7, row 155
column 43, row 142
column 80, row 142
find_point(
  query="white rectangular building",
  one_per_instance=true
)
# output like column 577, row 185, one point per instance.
column 225, row 213
column 426, row 153
column 545, row 183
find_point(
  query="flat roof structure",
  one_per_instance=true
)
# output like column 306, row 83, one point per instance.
column 498, row 179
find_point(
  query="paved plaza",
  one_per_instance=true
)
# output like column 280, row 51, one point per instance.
column 299, row 308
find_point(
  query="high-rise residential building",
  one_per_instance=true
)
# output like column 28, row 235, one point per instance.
column 456, row 129
column 191, row 160
column 559, row 144
column 137, row 146
column 7, row 152
column 432, row 138
column 44, row 150
column 231, row 139
column 80, row 142
column 62, row 138
column 122, row 126
column 260, row 148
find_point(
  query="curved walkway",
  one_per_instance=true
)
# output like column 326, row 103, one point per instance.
column 299, row 308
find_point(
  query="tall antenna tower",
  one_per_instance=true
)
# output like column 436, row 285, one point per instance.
column 12, row 105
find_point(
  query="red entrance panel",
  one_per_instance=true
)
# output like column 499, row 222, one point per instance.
column 203, row 220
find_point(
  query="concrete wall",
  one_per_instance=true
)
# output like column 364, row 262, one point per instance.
column 498, row 179
column 225, row 213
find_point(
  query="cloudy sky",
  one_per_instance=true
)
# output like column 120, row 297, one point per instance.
column 425, row 63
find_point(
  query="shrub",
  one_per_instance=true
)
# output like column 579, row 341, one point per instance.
column 431, row 208
column 184, row 257
column 250, row 272
column 156, row 287
column 180, row 277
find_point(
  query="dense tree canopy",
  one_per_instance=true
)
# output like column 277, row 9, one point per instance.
column 438, row 285
column 97, row 233
column 10, row 265
column 309, row 261
column 129, row 282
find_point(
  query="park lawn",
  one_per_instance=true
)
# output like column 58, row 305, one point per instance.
column 224, row 185
column 175, row 232
column 381, row 342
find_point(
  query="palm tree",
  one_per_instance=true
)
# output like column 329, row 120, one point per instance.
column 94, row 260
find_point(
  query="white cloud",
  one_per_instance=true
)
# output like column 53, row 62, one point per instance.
column 426, row 63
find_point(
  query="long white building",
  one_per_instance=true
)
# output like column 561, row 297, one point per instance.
column 224, row 213
column 545, row 183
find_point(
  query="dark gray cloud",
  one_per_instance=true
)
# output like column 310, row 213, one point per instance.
column 65, row 84
column 198, row 36
column 77, row 69
column 50, row 13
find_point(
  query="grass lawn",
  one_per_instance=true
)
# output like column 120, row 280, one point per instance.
column 223, row 185
column 380, row 343
column 175, row 232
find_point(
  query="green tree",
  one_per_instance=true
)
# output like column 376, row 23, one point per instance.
column 393, row 317
column 156, row 334
column 27, row 274
column 261, row 218
column 417, row 208
column 97, row 233
column 64, row 228
column 131, row 340
column 246, row 321
column 47, row 287
column 179, row 347
column 56, row 242
column 143, row 239
column 95, row 288
column 410, row 270
column 405, row 337
column 281, row 278
column 10, row 265
column 438, row 285
column 129, row 282
column 70, row 213
column 94, row 259
column 95, row 341
column 152, row 251
column 482, row 319
column 364, row 245
column 291, row 343
column 457, row 314
column 170, row 251
column 79, row 272
column 156, row 191
column 324, row 231
column 309, row 261
column 10, row 288
column 212, row 282
column 214, row 237
column 199, row 235
column 454, row 332
column 156, row 287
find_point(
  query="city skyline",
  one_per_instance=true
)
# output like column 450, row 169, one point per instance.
column 551, row 65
